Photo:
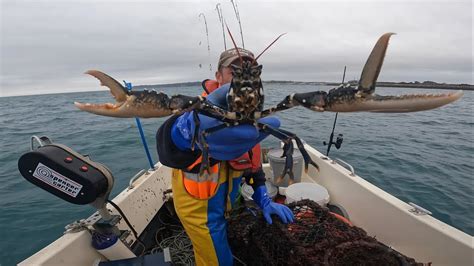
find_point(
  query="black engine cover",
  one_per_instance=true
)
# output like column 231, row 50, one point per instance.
column 65, row 173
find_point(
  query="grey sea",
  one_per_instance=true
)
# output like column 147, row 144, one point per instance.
column 425, row 157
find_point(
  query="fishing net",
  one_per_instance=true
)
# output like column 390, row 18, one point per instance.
column 316, row 237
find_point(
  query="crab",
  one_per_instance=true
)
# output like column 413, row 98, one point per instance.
column 245, row 100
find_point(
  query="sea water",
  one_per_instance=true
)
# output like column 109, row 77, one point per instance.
column 424, row 157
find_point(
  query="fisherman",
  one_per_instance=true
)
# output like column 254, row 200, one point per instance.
column 201, row 202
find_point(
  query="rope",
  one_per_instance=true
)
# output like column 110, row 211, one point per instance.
column 179, row 244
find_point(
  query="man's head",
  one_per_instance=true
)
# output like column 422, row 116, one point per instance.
column 228, row 57
column 245, row 95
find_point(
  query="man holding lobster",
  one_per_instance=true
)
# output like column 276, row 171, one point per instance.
column 226, row 123
column 202, row 199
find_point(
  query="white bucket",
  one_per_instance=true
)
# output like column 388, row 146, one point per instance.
column 278, row 164
column 311, row 191
column 247, row 190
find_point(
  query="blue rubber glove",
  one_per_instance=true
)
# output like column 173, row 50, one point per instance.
column 225, row 144
column 269, row 207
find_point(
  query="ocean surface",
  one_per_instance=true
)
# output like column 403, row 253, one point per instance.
column 425, row 157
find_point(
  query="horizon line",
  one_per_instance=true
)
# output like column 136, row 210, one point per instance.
column 324, row 83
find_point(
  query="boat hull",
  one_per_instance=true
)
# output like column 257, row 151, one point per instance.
column 382, row 215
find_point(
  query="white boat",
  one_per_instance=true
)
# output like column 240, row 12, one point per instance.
column 409, row 229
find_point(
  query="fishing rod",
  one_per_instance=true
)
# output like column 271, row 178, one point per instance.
column 339, row 138
column 237, row 15
column 221, row 20
column 208, row 45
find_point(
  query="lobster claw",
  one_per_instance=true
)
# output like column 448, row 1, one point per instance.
column 143, row 104
column 391, row 104
column 346, row 98
column 372, row 67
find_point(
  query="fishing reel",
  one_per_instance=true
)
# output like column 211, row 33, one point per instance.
column 337, row 143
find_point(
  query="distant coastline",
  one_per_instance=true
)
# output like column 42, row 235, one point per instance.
column 415, row 84
column 197, row 84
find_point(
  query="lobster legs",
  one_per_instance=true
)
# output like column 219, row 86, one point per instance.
column 287, row 138
column 205, row 165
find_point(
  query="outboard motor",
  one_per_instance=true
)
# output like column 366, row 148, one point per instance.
column 77, row 179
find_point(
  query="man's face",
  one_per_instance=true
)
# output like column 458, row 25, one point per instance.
column 224, row 76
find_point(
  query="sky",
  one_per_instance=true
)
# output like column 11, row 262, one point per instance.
column 46, row 46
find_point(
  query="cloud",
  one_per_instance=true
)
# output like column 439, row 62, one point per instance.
column 46, row 45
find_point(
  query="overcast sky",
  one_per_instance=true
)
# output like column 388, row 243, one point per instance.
column 46, row 46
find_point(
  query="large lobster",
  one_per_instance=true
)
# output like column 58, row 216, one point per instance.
column 245, row 100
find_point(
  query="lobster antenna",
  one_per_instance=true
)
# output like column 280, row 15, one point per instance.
column 268, row 47
column 221, row 20
column 233, row 41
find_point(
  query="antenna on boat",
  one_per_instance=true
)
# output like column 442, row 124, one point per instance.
column 221, row 20
column 339, row 138
column 237, row 15
column 207, row 36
